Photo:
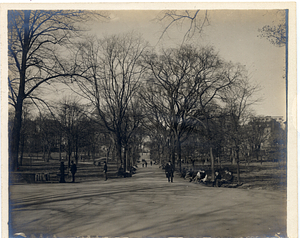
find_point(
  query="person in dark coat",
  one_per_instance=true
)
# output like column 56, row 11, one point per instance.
column 217, row 181
column 62, row 172
column 73, row 170
column 105, row 170
column 227, row 177
column 172, row 172
column 169, row 172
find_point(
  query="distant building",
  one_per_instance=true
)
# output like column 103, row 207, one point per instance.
column 278, row 119
column 273, row 130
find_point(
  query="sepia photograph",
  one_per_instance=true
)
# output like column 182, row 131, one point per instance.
column 166, row 120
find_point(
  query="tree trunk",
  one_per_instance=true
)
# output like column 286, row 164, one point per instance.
column 59, row 148
column 237, row 165
column 69, row 159
column 219, row 162
column 15, row 137
column 76, row 153
column 238, row 171
column 119, row 151
column 37, row 153
column 69, row 152
column 49, row 153
column 130, row 158
column 76, row 149
column 179, row 153
column 22, row 149
column 107, row 154
column 256, row 153
column 93, row 152
column 163, row 149
column 233, row 157
column 44, row 153
column 16, row 131
column 125, row 161
column 159, row 156
column 212, row 164
column 173, row 156
column 193, row 164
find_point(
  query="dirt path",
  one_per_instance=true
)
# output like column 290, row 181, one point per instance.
column 146, row 205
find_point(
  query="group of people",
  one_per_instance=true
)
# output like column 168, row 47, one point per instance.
column 145, row 164
column 73, row 170
column 200, row 176
column 226, row 178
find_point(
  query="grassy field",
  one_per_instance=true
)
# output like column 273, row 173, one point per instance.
column 268, row 175
column 86, row 169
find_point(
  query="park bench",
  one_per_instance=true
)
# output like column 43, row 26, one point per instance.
column 30, row 177
column 42, row 177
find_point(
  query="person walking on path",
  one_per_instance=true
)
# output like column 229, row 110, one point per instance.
column 62, row 172
column 172, row 172
column 105, row 170
column 169, row 172
column 73, row 171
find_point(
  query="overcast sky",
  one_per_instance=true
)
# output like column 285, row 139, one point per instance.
column 233, row 34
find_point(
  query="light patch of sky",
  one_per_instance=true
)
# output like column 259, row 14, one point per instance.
column 233, row 33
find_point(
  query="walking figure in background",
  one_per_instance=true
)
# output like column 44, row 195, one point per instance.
column 169, row 172
column 146, row 163
column 151, row 162
column 73, row 170
column 62, row 172
column 172, row 172
column 105, row 170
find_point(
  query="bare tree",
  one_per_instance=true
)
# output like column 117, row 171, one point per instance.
column 71, row 116
column 25, row 131
column 34, row 40
column 183, row 83
column 111, row 79
column 47, row 128
column 197, row 19
column 155, row 122
column 238, row 100
column 258, row 133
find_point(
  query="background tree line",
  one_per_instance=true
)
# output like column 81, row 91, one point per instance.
column 188, row 101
